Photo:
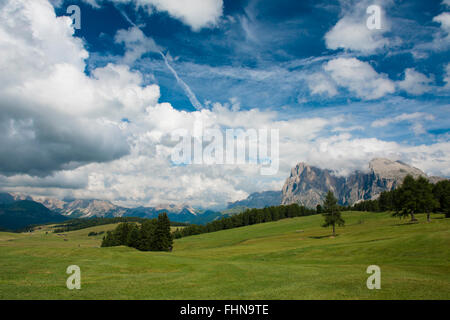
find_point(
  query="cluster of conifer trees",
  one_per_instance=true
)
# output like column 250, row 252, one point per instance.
column 246, row 218
column 413, row 196
column 151, row 235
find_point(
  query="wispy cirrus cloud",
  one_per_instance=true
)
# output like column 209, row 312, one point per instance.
column 416, row 119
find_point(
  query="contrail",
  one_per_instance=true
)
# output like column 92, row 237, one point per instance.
column 191, row 96
column 187, row 90
column 127, row 18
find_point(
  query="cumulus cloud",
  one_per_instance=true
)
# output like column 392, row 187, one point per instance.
column 53, row 116
column 197, row 14
column 351, row 31
column 359, row 78
column 319, row 83
column 415, row 83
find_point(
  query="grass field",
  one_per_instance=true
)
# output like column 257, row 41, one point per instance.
column 288, row 259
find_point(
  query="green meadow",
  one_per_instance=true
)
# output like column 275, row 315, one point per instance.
column 288, row 259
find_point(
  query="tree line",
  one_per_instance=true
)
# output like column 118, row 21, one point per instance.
column 412, row 197
column 246, row 218
column 78, row 224
column 151, row 235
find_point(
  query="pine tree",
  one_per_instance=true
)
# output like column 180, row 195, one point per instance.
column 319, row 209
column 146, row 235
column 121, row 233
column 385, row 201
column 331, row 212
column 162, row 239
column 133, row 237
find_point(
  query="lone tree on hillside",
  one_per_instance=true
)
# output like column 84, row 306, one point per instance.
column 331, row 212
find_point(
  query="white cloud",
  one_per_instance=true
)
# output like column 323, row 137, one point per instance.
column 319, row 83
column 60, row 117
column 197, row 14
column 416, row 119
column 355, row 36
column 403, row 117
column 351, row 31
column 359, row 78
column 136, row 44
column 444, row 20
column 441, row 37
column 415, row 83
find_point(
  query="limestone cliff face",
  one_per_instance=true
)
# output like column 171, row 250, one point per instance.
column 308, row 185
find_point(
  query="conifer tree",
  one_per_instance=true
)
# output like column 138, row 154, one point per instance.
column 133, row 237
column 331, row 212
column 162, row 239
column 146, row 235
column 319, row 209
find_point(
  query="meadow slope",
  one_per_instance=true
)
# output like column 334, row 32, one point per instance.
column 288, row 259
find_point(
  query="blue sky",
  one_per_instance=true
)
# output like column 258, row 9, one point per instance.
column 260, row 52
column 94, row 109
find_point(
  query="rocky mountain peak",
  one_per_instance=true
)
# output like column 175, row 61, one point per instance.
column 393, row 169
column 307, row 185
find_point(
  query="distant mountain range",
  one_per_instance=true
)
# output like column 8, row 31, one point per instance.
column 83, row 208
column 58, row 210
column 256, row 200
column 179, row 214
column 19, row 214
column 306, row 185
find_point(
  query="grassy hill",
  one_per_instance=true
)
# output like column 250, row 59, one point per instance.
column 288, row 259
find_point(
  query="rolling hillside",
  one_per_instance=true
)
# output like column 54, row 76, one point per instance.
column 288, row 259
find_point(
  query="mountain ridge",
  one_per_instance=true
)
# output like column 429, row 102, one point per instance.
column 22, row 213
column 89, row 208
column 307, row 185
